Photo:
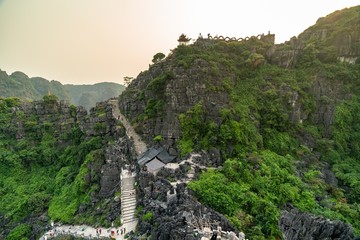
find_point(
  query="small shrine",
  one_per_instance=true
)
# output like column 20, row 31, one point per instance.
column 183, row 40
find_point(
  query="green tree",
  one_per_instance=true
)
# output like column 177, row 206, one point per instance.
column 50, row 99
column 158, row 57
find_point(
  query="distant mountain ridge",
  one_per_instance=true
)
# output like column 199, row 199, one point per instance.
column 18, row 84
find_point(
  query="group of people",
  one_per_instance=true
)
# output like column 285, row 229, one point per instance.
column 121, row 231
column 98, row 231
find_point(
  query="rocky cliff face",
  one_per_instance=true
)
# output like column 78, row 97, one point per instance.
column 171, row 212
column 335, row 36
column 296, row 225
column 62, row 117
column 179, row 90
column 207, row 72
column 31, row 121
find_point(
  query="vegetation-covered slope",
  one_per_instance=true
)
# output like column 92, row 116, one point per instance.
column 338, row 32
column 286, row 134
column 279, row 124
column 20, row 85
column 51, row 156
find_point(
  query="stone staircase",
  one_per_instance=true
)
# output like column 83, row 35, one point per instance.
column 127, row 178
column 128, row 200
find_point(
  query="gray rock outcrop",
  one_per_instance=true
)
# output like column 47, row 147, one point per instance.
column 179, row 92
column 296, row 225
column 175, row 214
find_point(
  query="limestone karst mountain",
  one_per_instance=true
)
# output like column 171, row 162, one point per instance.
column 266, row 139
column 279, row 121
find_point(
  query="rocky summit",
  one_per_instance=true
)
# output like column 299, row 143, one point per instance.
column 229, row 137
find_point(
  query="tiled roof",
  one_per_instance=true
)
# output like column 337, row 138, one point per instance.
column 151, row 153
column 154, row 165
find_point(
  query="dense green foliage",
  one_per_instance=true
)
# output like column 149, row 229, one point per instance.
column 284, row 134
column 158, row 57
column 250, row 191
column 46, row 170
column 268, row 161
column 20, row 85
column 21, row 232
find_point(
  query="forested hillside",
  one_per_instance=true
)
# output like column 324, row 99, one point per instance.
column 280, row 122
column 51, row 155
column 20, row 85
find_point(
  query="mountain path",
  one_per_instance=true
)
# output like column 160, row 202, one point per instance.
column 140, row 146
column 128, row 197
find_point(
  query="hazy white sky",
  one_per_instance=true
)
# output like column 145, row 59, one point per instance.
column 89, row 41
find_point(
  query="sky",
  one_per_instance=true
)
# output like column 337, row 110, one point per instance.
column 90, row 41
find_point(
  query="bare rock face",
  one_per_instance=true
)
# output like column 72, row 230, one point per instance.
column 174, row 211
column 117, row 156
column 296, row 225
column 286, row 55
column 179, row 91
column 336, row 37
column 327, row 95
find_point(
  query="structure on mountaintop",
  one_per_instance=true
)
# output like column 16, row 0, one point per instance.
column 269, row 38
column 183, row 40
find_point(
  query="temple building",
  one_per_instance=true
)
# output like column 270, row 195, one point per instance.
column 183, row 40
column 154, row 159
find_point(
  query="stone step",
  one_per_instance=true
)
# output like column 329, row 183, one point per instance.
column 126, row 191
column 128, row 218
column 127, row 204
column 126, row 200
column 128, row 195
column 128, row 209
column 133, row 209
column 129, row 198
column 129, row 221
column 128, row 214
